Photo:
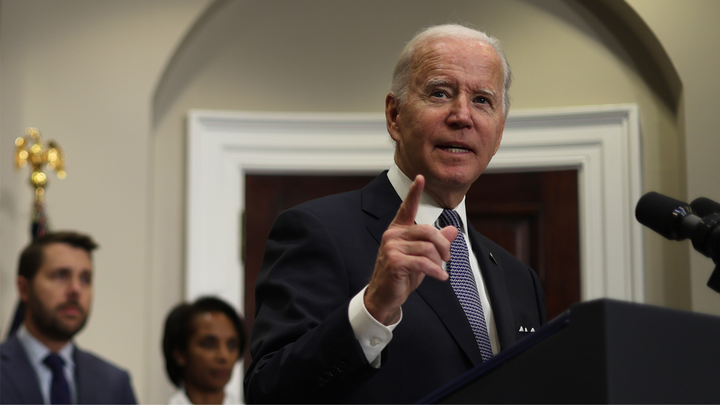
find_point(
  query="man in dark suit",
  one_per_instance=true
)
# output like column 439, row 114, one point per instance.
column 40, row 363
column 367, row 297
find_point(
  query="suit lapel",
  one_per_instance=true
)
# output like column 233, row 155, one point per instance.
column 494, row 279
column 381, row 202
column 83, row 378
column 23, row 375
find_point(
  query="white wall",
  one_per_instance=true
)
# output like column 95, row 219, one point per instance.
column 98, row 77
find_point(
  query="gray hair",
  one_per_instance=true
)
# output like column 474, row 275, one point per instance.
column 403, row 67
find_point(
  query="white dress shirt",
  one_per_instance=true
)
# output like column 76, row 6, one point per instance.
column 181, row 398
column 36, row 352
column 373, row 335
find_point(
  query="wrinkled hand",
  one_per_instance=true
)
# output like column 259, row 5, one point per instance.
column 407, row 254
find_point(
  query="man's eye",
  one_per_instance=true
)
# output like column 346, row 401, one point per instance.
column 481, row 100
column 439, row 94
column 60, row 275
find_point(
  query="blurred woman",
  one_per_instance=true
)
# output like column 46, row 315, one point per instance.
column 201, row 343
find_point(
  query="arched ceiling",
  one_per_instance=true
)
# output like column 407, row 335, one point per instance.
column 616, row 16
column 650, row 57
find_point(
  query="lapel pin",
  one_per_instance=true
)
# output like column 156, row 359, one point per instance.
column 493, row 258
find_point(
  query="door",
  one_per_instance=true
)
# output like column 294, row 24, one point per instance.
column 533, row 215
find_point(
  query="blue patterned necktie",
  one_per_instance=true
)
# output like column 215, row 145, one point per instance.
column 463, row 283
column 59, row 388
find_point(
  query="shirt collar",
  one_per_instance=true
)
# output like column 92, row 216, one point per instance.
column 429, row 210
column 37, row 351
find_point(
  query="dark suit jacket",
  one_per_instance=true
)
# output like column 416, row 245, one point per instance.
column 318, row 256
column 96, row 381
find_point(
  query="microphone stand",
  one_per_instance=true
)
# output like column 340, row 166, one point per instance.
column 714, row 281
column 706, row 240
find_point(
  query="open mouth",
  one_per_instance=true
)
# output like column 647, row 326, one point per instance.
column 454, row 148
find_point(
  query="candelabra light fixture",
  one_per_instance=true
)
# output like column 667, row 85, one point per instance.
column 29, row 150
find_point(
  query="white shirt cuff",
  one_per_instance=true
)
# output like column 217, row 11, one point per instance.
column 372, row 335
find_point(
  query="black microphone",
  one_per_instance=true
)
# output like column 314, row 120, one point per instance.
column 671, row 218
column 704, row 206
column 675, row 220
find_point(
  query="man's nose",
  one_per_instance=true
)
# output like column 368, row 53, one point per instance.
column 74, row 286
column 460, row 113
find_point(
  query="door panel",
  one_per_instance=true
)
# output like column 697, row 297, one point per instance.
column 534, row 216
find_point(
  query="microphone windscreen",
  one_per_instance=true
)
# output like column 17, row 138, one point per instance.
column 704, row 206
column 658, row 212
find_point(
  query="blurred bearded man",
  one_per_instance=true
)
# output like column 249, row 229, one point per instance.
column 40, row 363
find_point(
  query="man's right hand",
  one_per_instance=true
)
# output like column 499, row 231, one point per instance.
column 407, row 254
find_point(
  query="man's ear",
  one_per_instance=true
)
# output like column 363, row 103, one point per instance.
column 391, row 116
column 179, row 357
column 23, row 286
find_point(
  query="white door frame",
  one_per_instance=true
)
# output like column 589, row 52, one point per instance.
column 602, row 142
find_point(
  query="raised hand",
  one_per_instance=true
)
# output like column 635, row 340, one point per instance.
column 407, row 254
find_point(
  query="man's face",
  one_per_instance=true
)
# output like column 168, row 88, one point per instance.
column 58, row 298
column 451, row 123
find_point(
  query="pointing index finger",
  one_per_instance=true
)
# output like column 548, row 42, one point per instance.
column 408, row 208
